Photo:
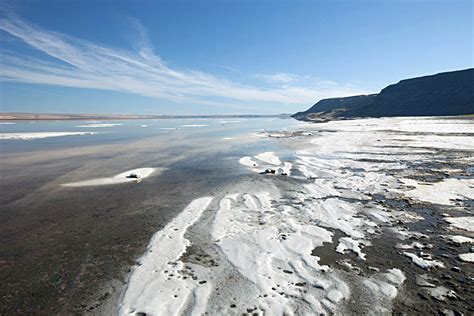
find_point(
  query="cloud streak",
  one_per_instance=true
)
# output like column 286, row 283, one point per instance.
column 72, row 62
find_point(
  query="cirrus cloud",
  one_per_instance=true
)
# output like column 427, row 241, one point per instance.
column 72, row 62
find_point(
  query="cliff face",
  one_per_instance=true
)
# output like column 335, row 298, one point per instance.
column 332, row 106
column 449, row 93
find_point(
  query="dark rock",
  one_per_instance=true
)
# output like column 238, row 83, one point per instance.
column 423, row 295
column 448, row 93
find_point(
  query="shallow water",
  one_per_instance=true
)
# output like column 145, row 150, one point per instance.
column 130, row 130
column 52, row 236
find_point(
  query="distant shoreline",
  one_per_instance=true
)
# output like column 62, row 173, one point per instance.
column 54, row 116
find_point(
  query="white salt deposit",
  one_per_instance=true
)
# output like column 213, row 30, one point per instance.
column 263, row 240
column 194, row 125
column 461, row 239
column 272, row 248
column 425, row 280
column 346, row 243
column 443, row 192
column 423, row 263
column 227, row 122
column 152, row 287
column 385, row 284
column 269, row 157
column 100, row 125
column 468, row 257
column 40, row 135
column 415, row 245
column 441, row 293
column 248, row 162
column 7, row 123
column 286, row 168
column 123, row 177
column 267, row 160
column 464, row 222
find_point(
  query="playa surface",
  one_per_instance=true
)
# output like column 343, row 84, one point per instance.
column 72, row 224
column 274, row 217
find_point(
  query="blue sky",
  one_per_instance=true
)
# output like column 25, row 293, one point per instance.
column 217, row 57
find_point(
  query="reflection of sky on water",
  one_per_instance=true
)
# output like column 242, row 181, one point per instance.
column 130, row 130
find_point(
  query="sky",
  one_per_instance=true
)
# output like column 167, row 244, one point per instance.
column 219, row 57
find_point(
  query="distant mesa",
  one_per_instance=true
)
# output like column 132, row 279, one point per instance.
column 443, row 94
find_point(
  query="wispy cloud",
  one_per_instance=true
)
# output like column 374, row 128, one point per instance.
column 280, row 77
column 82, row 64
